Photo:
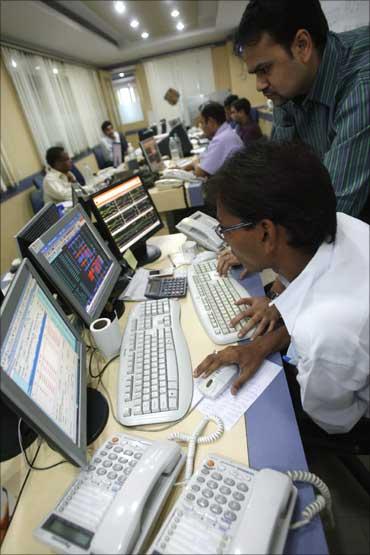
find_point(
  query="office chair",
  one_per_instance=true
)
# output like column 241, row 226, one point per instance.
column 37, row 200
column 100, row 160
column 37, row 181
column 124, row 145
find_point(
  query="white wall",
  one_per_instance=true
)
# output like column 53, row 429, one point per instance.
column 344, row 15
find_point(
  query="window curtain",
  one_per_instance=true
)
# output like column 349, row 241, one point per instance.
column 62, row 102
column 190, row 73
column 128, row 100
column 7, row 172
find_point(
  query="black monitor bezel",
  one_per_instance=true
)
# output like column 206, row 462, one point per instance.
column 27, row 409
column 59, row 285
column 103, row 228
column 145, row 154
column 19, row 237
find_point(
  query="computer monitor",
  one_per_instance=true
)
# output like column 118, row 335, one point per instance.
column 117, row 154
column 152, row 154
column 80, row 197
column 127, row 217
column 42, row 221
column 78, row 262
column 43, row 373
column 186, row 145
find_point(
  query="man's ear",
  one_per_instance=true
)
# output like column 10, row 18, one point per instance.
column 302, row 46
column 268, row 234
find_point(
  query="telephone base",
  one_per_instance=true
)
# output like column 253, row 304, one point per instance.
column 97, row 414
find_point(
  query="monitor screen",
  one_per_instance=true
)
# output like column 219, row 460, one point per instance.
column 43, row 365
column 117, row 154
column 42, row 221
column 186, row 145
column 126, row 213
column 152, row 154
column 77, row 261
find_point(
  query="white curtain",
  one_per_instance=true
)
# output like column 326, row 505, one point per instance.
column 61, row 102
column 8, row 177
column 128, row 100
column 190, row 73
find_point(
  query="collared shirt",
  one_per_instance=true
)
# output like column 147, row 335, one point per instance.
column 223, row 144
column 326, row 312
column 107, row 144
column 56, row 186
column 334, row 117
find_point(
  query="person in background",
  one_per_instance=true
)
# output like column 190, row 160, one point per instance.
column 223, row 140
column 277, row 209
column 58, row 179
column 319, row 83
column 111, row 136
column 248, row 130
column 227, row 105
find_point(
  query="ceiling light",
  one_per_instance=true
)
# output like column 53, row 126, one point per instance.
column 14, row 63
column 175, row 13
column 134, row 23
column 121, row 74
column 144, row 35
column 180, row 26
column 120, row 7
column 55, row 71
column 37, row 67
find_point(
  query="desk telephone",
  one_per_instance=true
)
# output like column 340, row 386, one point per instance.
column 201, row 228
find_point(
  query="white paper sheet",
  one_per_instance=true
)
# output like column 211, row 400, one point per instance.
column 231, row 407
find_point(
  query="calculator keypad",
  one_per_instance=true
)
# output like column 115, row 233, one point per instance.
column 170, row 287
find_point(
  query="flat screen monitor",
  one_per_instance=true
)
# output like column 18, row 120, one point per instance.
column 78, row 262
column 80, row 197
column 43, row 365
column 186, row 145
column 42, row 221
column 127, row 217
column 117, row 154
column 152, row 154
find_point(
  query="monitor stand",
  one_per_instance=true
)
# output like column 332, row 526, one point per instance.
column 97, row 414
column 145, row 253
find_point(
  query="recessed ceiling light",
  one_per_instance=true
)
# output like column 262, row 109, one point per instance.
column 121, row 74
column 180, row 26
column 37, row 67
column 145, row 35
column 55, row 71
column 134, row 23
column 14, row 63
column 120, row 7
column 175, row 13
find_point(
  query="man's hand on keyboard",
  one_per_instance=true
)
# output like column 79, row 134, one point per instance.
column 260, row 314
column 225, row 261
column 249, row 358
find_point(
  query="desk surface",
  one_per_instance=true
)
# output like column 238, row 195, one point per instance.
column 272, row 442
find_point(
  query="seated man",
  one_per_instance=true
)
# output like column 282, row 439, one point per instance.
column 277, row 209
column 58, row 179
column 111, row 136
column 247, row 129
column 224, row 141
column 227, row 105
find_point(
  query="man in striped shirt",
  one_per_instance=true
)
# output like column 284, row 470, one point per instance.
column 319, row 83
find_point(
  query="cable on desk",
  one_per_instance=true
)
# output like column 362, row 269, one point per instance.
column 30, row 465
column 101, row 373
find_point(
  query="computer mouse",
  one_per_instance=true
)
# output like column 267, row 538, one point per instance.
column 218, row 381
column 203, row 256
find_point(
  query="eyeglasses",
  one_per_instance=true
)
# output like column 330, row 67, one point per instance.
column 221, row 229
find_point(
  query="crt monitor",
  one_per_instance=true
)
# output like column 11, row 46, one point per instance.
column 117, row 154
column 186, row 145
column 43, row 373
column 127, row 217
column 152, row 154
column 42, row 221
column 78, row 262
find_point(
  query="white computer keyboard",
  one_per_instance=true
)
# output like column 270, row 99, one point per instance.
column 155, row 378
column 214, row 300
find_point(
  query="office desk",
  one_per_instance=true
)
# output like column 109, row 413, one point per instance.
column 273, row 440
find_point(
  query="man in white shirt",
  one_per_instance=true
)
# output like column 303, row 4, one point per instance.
column 111, row 136
column 277, row 209
column 57, row 181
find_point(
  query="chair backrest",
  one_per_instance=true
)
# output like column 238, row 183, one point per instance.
column 37, row 200
column 124, row 145
column 100, row 160
column 37, row 181
column 78, row 175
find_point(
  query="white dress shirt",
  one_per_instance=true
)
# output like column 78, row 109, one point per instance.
column 57, row 187
column 326, row 312
column 107, row 144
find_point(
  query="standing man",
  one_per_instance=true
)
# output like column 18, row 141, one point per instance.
column 319, row 82
column 111, row 136
column 247, row 129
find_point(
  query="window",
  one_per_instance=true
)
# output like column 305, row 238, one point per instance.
column 128, row 100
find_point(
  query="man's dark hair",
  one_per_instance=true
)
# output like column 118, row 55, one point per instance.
column 282, row 182
column 105, row 125
column 281, row 19
column 230, row 99
column 53, row 154
column 242, row 104
column 214, row 110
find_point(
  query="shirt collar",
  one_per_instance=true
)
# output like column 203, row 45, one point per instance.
column 289, row 303
column 221, row 129
column 56, row 172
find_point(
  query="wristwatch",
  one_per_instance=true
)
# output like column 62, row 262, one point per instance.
column 272, row 295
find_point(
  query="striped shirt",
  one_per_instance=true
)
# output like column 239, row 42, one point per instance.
column 334, row 117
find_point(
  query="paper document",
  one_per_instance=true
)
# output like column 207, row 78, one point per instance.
column 231, row 407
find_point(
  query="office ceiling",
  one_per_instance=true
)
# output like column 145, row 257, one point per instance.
column 94, row 32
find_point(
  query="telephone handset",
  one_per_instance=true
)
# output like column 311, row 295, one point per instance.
column 201, row 228
column 113, row 504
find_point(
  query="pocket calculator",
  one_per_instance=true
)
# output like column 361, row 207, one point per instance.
column 162, row 288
